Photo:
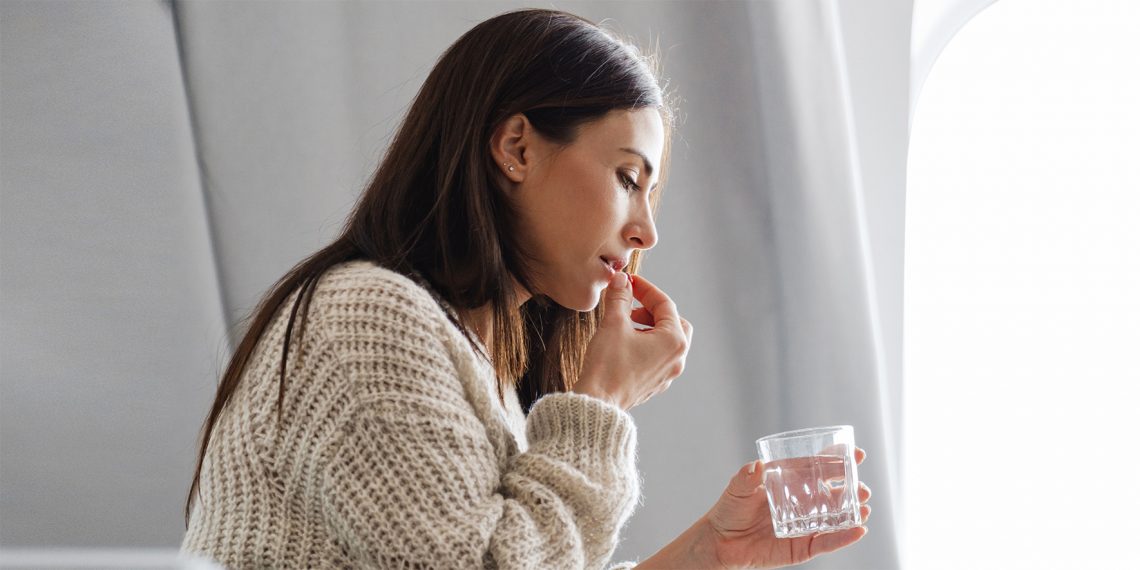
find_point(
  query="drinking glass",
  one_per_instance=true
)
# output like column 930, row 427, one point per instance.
column 811, row 480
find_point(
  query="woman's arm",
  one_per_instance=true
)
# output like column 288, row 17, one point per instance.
column 411, row 475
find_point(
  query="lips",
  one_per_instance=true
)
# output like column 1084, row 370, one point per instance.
column 615, row 263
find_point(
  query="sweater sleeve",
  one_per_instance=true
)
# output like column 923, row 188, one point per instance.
column 411, row 478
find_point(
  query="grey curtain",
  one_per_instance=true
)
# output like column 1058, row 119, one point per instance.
column 163, row 163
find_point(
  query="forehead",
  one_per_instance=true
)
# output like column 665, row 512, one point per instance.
column 642, row 130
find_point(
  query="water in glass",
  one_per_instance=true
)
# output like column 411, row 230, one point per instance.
column 809, row 495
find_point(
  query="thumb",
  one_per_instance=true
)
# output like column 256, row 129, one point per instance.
column 741, row 503
column 747, row 480
column 618, row 298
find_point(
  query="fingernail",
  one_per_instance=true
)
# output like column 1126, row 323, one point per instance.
column 752, row 468
column 618, row 281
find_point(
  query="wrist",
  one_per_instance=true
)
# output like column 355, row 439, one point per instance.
column 590, row 389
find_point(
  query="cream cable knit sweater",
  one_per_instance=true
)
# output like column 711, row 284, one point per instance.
column 394, row 451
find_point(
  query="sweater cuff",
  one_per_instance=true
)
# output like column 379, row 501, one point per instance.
column 582, row 429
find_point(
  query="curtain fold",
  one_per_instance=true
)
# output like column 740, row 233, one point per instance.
column 833, row 362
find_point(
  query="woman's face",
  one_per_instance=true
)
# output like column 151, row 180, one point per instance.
column 584, row 207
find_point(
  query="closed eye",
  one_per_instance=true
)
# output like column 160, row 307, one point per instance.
column 628, row 183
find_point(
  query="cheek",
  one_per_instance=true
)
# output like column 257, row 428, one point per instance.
column 602, row 205
column 577, row 217
column 588, row 211
column 605, row 217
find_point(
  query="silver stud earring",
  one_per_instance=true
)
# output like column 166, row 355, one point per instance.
column 509, row 168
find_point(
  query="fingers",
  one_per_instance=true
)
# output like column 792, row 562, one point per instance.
column 642, row 316
column 617, row 299
column 860, row 455
column 864, row 493
column 659, row 312
column 832, row 541
column 659, row 305
column 688, row 328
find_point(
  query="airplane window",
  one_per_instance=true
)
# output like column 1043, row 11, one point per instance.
column 1022, row 293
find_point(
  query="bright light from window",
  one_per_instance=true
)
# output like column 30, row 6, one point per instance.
column 1022, row 280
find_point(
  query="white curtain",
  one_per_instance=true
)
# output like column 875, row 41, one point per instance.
column 832, row 78
column 163, row 163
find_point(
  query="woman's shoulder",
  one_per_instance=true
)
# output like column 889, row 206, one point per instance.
column 364, row 288
column 390, row 331
column 364, row 274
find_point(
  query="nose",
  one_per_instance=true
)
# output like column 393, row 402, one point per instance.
column 641, row 232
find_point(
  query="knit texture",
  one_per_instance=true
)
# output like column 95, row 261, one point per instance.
column 393, row 450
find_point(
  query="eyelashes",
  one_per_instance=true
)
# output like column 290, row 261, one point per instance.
column 628, row 183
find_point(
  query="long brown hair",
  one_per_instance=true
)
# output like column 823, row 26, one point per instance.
column 433, row 207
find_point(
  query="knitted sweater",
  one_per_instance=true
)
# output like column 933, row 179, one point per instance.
column 394, row 451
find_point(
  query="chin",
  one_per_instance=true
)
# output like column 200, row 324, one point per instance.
column 575, row 300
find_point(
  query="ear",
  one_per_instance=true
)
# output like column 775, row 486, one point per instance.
column 509, row 145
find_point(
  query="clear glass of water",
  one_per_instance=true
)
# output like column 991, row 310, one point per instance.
column 811, row 480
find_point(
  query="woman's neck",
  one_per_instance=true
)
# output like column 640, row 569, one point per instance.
column 482, row 319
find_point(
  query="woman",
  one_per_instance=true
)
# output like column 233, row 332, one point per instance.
column 373, row 414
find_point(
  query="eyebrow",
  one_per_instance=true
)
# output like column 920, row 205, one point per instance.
column 644, row 159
